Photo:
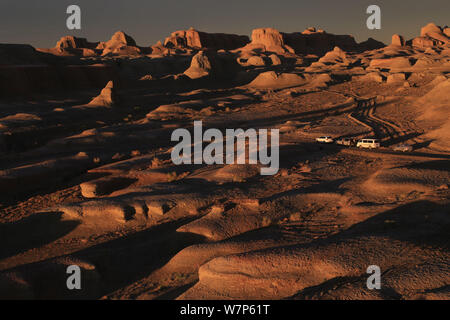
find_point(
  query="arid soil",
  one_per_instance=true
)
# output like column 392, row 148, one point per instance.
column 87, row 178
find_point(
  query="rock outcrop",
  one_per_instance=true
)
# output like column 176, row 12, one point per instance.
column 433, row 31
column 207, row 63
column 431, row 36
column 73, row 46
column 391, row 63
column 447, row 32
column 203, row 64
column 256, row 61
column 120, row 43
column 337, row 55
column 398, row 40
column 71, row 42
column 201, row 40
column 107, row 97
column 276, row 61
column 200, row 66
column 270, row 40
column 159, row 49
column 307, row 42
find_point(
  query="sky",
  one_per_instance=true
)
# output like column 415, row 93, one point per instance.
column 42, row 22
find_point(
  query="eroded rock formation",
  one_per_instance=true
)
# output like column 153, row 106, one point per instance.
column 201, row 40
column 308, row 42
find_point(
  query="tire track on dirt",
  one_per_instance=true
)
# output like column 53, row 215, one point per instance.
column 365, row 116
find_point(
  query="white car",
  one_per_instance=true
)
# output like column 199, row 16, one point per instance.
column 345, row 142
column 368, row 143
column 403, row 148
column 325, row 139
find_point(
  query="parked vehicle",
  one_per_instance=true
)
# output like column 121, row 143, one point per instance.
column 346, row 142
column 403, row 147
column 325, row 139
column 368, row 143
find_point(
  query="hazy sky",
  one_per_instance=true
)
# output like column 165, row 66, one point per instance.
column 42, row 22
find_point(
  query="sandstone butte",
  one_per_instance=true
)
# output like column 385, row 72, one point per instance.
column 196, row 39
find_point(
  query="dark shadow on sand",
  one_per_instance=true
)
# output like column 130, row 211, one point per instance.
column 33, row 232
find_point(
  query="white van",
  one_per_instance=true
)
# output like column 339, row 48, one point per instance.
column 368, row 143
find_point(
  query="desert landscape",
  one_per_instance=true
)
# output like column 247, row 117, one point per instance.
column 86, row 176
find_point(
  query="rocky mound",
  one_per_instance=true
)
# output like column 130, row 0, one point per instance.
column 207, row 63
column 18, row 119
column 219, row 226
column 273, row 80
column 201, row 40
column 200, row 66
column 120, row 43
column 337, row 55
column 171, row 111
column 107, row 97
